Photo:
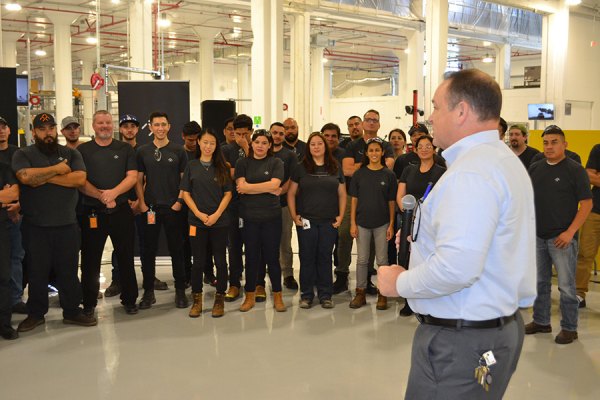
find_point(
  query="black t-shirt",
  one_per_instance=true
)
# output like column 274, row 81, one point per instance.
column 417, row 181
column 263, row 206
column 412, row 158
column 48, row 204
column 356, row 150
column 289, row 164
column 557, row 190
column 317, row 196
column 344, row 142
column 339, row 154
column 6, row 155
column 162, row 169
column 107, row 166
column 191, row 155
column 571, row 154
column 201, row 183
column 7, row 177
column 232, row 153
column 299, row 149
column 374, row 190
column 594, row 163
column 527, row 155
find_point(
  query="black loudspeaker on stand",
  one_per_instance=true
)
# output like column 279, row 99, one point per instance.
column 214, row 115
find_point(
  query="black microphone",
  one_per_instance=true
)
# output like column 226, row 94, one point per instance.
column 408, row 204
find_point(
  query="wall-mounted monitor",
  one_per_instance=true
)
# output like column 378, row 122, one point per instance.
column 22, row 90
column 540, row 111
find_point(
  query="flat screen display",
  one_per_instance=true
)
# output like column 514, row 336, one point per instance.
column 22, row 90
column 540, row 111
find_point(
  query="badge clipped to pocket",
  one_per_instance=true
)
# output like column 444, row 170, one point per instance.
column 151, row 217
column 241, row 223
column 192, row 230
column 93, row 221
column 305, row 224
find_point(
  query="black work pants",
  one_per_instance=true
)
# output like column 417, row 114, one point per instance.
column 262, row 243
column 5, row 274
column 52, row 249
column 234, row 248
column 171, row 221
column 209, row 241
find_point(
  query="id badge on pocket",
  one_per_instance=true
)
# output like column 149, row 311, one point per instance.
column 93, row 221
column 192, row 230
column 151, row 217
column 305, row 224
column 241, row 223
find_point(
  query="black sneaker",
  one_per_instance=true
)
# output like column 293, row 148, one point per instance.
column 290, row 283
column 160, row 285
column 20, row 308
column 81, row 320
column 113, row 290
column 406, row 311
column 8, row 333
column 88, row 311
column 131, row 309
column 341, row 283
column 147, row 300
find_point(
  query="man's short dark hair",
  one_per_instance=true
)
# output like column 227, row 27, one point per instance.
column 330, row 126
column 503, row 125
column 229, row 120
column 372, row 111
column 276, row 123
column 476, row 88
column 158, row 114
column 242, row 121
column 354, row 116
column 191, row 128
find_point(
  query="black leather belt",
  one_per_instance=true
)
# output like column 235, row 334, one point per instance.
column 464, row 323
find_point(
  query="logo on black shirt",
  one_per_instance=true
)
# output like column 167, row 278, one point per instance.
column 382, row 183
column 116, row 157
column 170, row 159
column 557, row 179
column 266, row 172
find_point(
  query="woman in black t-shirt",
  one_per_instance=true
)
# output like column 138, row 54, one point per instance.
column 373, row 190
column 206, row 186
column 316, row 201
column 397, row 139
column 418, row 180
column 258, row 178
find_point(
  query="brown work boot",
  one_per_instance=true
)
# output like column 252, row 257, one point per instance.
column 534, row 327
column 249, row 302
column 219, row 305
column 232, row 294
column 381, row 302
column 261, row 295
column 196, row 309
column 359, row 299
column 278, row 302
column 565, row 337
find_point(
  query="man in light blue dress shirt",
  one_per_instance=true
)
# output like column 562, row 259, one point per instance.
column 473, row 261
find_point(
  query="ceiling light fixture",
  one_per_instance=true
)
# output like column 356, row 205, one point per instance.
column 573, row 2
column 237, row 19
column 91, row 40
column 24, row 72
column 40, row 53
column 486, row 43
column 115, row 1
column 13, row 7
column 487, row 59
column 163, row 21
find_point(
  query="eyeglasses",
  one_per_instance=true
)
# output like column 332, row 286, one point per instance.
column 426, row 147
column 375, row 139
column 157, row 154
column 371, row 120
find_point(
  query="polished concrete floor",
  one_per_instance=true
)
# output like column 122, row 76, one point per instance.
column 342, row 353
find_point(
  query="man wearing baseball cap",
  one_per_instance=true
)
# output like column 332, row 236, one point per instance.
column 71, row 129
column 50, row 175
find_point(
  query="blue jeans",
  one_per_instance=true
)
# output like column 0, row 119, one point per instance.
column 565, row 263
column 315, row 247
column 17, row 253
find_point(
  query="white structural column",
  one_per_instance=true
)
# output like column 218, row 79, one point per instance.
column 140, row 37
column 47, row 78
column 411, row 71
column 300, row 71
column 555, row 40
column 244, row 106
column 62, row 62
column 190, row 72
column 87, row 96
column 206, row 62
column 267, row 60
column 317, row 89
column 503, row 53
column 436, row 44
column 9, row 49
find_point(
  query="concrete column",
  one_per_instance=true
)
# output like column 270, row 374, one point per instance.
column 206, row 62
column 328, row 78
column 140, row 37
column 190, row 72
column 243, row 88
column 436, row 43
column 87, row 96
column 47, row 78
column 317, row 89
column 555, row 40
column 503, row 61
column 414, row 79
column 62, row 62
column 300, row 71
column 9, row 48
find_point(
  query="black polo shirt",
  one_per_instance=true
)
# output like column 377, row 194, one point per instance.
column 107, row 166
column 557, row 190
column 7, row 154
column 412, row 158
column 299, row 148
column 7, row 177
column 162, row 171
column 289, row 164
column 317, row 196
column 527, row 155
column 594, row 163
column 201, row 183
column 374, row 190
column 339, row 154
column 263, row 206
column 571, row 154
column 48, row 204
